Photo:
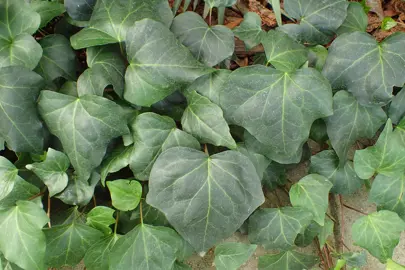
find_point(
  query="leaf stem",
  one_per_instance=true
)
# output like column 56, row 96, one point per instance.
column 116, row 222
column 320, row 254
column 210, row 17
column 140, row 211
column 94, row 201
column 206, row 149
column 37, row 195
column 48, row 213
column 354, row 209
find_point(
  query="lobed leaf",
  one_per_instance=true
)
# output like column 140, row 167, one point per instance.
column 287, row 260
column 100, row 218
column 230, row 256
column 356, row 19
column 250, row 30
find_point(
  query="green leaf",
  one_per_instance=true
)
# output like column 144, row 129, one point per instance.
column 230, row 256
column 387, row 156
column 156, row 68
column 220, row 3
column 396, row 111
column 209, row 44
column 6, row 265
column 319, row 20
column 351, row 121
column 356, row 19
column 100, row 218
column 17, row 23
column 343, row 177
column 388, row 23
column 8, row 177
column 306, row 237
column 79, row 191
column 52, row 171
column 181, row 266
column 125, row 194
column 97, row 257
column 80, row 10
column 283, row 52
column 67, row 244
column 355, row 259
column 117, row 160
column 268, row 107
column 218, row 193
column 20, row 126
column 274, row 176
column 150, row 216
column 154, row 134
column 259, row 161
column 391, row 265
column 58, row 59
column 145, row 247
column 379, row 233
column 22, row 190
column 22, row 241
column 47, row 10
column 277, row 228
column 312, row 193
column 317, row 56
column 111, row 20
column 250, row 30
column 350, row 53
column 106, row 67
column 204, row 120
column 287, row 260
column 84, row 126
column 69, row 88
column 326, row 231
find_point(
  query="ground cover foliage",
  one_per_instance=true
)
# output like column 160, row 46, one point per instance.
column 129, row 142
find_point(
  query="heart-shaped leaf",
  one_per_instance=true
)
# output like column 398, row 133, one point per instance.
column 100, row 218
column 125, row 194
column 47, row 10
column 219, row 192
column 250, row 30
column 230, row 256
column 356, row 19
column 97, row 257
column 288, row 260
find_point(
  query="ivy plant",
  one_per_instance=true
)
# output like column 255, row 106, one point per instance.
column 128, row 141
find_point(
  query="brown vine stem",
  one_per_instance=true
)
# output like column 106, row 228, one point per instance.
column 37, row 195
column 342, row 222
column 354, row 209
column 140, row 211
column 325, row 266
column 206, row 149
column 49, row 211
column 116, row 222
column 94, row 201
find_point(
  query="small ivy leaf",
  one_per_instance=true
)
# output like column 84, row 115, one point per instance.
column 274, row 176
column 317, row 56
column 312, row 193
column 18, row 222
column 117, row 160
column 69, row 88
column 209, row 44
column 47, row 10
column 145, row 247
column 106, row 67
column 230, row 256
column 172, row 65
column 287, row 260
column 313, row 27
column 318, row 132
column 391, row 265
column 8, row 177
column 259, row 161
column 80, row 10
column 79, row 191
column 101, row 218
column 396, row 111
column 379, row 233
column 264, row 101
column 150, row 216
column 356, row 19
column 97, row 256
column 112, row 19
column 355, row 259
column 67, row 244
column 306, row 237
column 153, row 134
column 22, row 190
column 20, row 126
column 68, row 216
column 84, row 126
column 277, row 228
column 219, row 192
column 343, row 177
column 204, row 120
column 250, row 30
column 351, row 121
column 386, row 157
column 52, row 171
column 387, row 193
column 283, row 52
column 325, row 232
column 125, row 194
column 388, row 23
column 350, row 53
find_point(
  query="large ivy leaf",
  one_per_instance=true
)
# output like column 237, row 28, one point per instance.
column 312, row 193
column 58, row 59
column 47, row 10
column 204, row 120
column 153, row 134
column 97, row 257
column 319, row 20
column 205, row 198
column 52, row 171
column 277, row 108
column 209, row 44
column 230, row 256
column 17, row 23
column 396, row 111
column 106, row 67
column 379, row 233
column 343, row 177
column 277, row 228
column 250, row 30
column 351, row 121
column 67, row 244
column 387, row 156
column 145, row 247
column 350, row 53
column 288, row 260
column 100, row 218
column 156, row 68
column 22, row 241
column 125, row 194
column 117, row 160
column 356, row 19
column 20, row 126
column 84, row 126
column 112, row 19
column 283, row 52
column 79, row 191
column 80, row 10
